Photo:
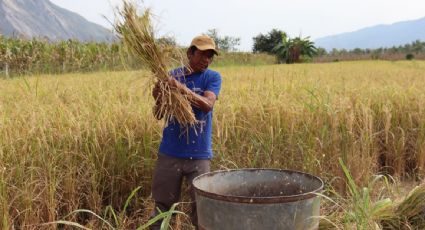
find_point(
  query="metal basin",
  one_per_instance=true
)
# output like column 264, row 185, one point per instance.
column 257, row 199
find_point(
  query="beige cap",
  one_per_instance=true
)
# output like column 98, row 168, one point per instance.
column 204, row 42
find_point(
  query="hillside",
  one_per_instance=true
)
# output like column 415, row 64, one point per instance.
column 396, row 34
column 41, row 18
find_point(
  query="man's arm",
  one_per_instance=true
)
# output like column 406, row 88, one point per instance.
column 204, row 102
column 156, row 93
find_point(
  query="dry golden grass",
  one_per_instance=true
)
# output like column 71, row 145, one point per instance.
column 85, row 141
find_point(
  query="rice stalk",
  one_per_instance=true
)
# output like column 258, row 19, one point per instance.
column 137, row 34
column 410, row 212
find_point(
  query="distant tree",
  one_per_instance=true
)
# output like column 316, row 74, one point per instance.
column 357, row 51
column 393, row 50
column 417, row 47
column 295, row 50
column 412, row 50
column 224, row 43
column 334, row 52
column 267, row 42
column 376, row 54
column 321, row 52
column 410, row 56
column 167, row 40
column 301, row 49
column 282, row 49
column 343, row 52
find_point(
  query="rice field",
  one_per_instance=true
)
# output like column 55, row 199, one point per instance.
column 87, row 141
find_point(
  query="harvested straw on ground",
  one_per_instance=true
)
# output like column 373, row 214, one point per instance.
column 410, row 212
column 406, row 214
column 137, row 34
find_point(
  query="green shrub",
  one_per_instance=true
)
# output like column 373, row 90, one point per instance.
column 410, row 56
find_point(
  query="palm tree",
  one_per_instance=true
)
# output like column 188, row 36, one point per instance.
column 282, row 49
column 293, row 50
column 301, row 47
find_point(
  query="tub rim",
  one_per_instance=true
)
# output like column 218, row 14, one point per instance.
column 259, row 200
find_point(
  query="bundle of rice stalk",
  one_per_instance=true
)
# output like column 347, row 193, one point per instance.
column 406, row 214
column 410, row 212
column 137, row 34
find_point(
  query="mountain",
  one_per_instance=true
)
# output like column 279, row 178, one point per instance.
column 396, row 34
column 41, row 18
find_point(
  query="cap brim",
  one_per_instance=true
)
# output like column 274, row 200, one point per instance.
column 207, row 48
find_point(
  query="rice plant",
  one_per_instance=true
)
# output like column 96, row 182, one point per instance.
column 85, row 141
column 138, row 36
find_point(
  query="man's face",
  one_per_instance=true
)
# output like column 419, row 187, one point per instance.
column 200, row 59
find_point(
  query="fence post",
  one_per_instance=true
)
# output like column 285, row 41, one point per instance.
column 7, row 58
column 6, row 69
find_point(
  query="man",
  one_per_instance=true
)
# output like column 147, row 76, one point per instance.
column 185, row 154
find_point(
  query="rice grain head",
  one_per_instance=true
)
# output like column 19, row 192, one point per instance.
column 137, row 34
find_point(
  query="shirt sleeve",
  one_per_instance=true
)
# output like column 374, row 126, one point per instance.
column 214, row 84
column 177, row 73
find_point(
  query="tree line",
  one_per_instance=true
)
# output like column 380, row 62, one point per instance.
column 35, row 56
column 287, row 50
column 413, row 50
column 298, row 49
column 20, row 56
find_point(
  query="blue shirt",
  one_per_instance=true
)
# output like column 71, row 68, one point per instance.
column 196, row 143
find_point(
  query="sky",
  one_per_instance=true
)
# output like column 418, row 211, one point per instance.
column 245, row 19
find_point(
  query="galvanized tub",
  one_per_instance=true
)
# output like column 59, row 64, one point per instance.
column 257, row 199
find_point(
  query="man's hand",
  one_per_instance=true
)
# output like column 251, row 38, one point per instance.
column 204, row 102
column 173, row 83
column 156, row 91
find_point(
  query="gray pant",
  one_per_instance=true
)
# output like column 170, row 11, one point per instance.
column 167, row 180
